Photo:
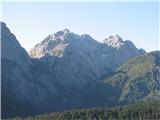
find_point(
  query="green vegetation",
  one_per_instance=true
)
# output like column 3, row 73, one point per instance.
column 136, row 78
column 138, row 111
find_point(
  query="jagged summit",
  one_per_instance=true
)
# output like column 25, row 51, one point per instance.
column 60, row 35
column 56, row 43
column 62, row 32
column 114, row 41
column 86, row 36
column 66, row 30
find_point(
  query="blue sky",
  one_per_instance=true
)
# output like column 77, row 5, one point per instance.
column 135, row 21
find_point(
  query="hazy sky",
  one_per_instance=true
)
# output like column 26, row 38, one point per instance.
column 135, row 21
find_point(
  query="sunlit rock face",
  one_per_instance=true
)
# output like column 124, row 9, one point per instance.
column 123, row 49
column 114, row 41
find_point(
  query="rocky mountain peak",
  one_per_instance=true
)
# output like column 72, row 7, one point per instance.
column 66, row 30
column 60, row 35
column 66, row 65
column 114, row 41
column 55, row 44
column 86, row 36
column 62, row 32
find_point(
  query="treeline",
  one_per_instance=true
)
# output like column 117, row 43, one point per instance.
column 139, row 111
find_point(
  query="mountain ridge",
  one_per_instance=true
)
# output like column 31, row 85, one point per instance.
column 114, row 41
column 84, row 57
column 70, row 71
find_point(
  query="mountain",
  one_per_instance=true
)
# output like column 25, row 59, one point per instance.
column 12, row 50
column 65, row 71
column 114, row 41
column 78, row 60
column 123, row 49
column 15, row 79
column 73, row 59
column 137, row 78
column 19, row 91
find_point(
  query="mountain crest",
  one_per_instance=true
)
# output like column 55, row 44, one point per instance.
column 60, row 35
column 62, row 32
column 66, row 30
column 114, row 41
column 86, row 36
